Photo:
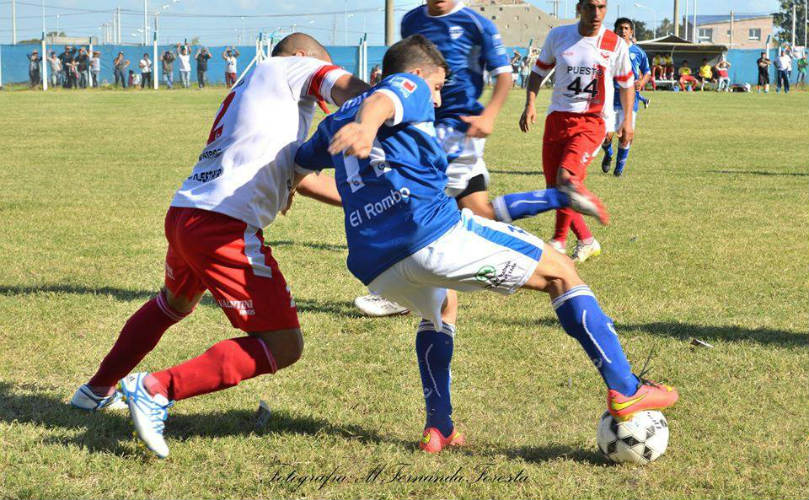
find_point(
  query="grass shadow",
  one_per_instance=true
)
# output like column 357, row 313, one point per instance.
column 540, row 454
column 308, row 244
column 759, row 172
column 105, row 432
column 537, row 173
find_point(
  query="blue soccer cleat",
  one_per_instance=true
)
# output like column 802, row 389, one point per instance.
column 148, row 412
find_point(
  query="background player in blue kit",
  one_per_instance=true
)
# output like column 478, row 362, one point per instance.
column 640, row 67
column 408, row 240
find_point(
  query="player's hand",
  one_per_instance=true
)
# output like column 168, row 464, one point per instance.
column 353, row 140
column 480, row 126
column 528, row 118
column 638, row 85
column 626, row 133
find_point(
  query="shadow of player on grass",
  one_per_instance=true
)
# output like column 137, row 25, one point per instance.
column 107, row 431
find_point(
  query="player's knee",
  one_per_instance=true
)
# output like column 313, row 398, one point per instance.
column 286, row 346
column 181, row 305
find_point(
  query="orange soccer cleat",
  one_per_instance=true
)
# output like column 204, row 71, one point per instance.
column 432, row 441
column 649, row 396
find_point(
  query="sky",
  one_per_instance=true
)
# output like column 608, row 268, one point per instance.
column 333, row 22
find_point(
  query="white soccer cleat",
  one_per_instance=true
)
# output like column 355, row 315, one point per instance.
column 584, row 251
column 148, row 412
column 376, row 306
column 85, row 399
column 558, row 246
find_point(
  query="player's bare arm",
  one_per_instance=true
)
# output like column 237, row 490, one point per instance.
column 482, row 125
column 346, row 87
column 529, row 114
column 626, row 133
column 357, row 137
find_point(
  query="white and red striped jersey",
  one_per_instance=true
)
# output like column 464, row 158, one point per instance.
column 585, row 69
column 247, row 167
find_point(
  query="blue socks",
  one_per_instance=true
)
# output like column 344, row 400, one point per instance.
column 607, row 151
column 514, row 206
column 582, row 319
column 434, row 352
column 620, row 162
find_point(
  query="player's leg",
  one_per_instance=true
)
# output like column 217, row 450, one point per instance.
column 553, row 148
column 231, row 260
column 612, row 123
column 623, row 151
column 143, row 330
column 434, row 346
column 581, row 317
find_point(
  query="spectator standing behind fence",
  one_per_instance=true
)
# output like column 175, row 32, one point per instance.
column 56, row 69
column 145, row 71
column 184, row 65
column 119, row 65
column 95, row 67
column 376, row 75
column 763, row 64
column 802, row 64
column 525, row 71
column 202, row 57
column 783, row 66
column 67, row 58
column 167, row 60
column 33, row 68
column 516, row 60
column 723, row 75
column 230, row 55
column 82, row 65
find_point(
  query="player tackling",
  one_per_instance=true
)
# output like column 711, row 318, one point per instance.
column 242, row 180
column 408, row 241
column 587, row 57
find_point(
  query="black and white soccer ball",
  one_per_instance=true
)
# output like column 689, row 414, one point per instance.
column 639, row 440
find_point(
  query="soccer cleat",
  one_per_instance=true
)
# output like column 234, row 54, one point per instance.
column 432, row 441
column 148, row 412
column 376, row 306
column 85, row 399
column 647, row 102
column 585, row 202
column 605, row 163
column 649, row 396
column 559, row 246
column 584, row 251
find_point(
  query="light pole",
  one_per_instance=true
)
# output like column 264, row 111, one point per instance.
column 654, row 17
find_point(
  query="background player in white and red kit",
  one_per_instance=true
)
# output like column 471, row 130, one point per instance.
column 587, row 57
column 243, row 178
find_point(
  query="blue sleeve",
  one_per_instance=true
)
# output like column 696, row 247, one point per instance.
column 411, row 98
column 313, row 154
column 404, row 28
column 644, row 63
column 494, row 52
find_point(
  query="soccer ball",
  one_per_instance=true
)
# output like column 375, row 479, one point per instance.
column 639, row 440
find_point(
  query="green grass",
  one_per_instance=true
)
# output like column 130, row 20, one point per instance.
column 709, row 240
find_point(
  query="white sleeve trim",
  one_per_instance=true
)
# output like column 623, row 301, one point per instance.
column 398, row 112
column 329, row 81
column 501, row 69
column 304, row 171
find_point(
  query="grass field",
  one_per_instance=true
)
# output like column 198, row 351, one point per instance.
column 710, row 240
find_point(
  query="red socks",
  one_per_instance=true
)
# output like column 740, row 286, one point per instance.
column 137, row 338
column 567, row 217
column 224, row 365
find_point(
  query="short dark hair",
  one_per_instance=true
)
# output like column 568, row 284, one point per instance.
column 624, row 20
column 412, row 52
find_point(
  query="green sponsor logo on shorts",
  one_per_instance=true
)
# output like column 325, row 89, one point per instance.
column 486, row 273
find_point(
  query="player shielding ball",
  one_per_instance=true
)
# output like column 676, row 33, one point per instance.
column 242, row 180
column 587, row 57
column 642, row 73
column 408, row 240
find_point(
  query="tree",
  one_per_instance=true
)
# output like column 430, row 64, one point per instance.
column 642, row 32
column 783, row 21
column 666, row 28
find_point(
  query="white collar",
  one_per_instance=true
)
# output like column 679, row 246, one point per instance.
column 458, row 6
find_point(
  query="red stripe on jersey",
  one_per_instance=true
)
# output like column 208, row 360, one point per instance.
column 542, row 65
column 597, row 101
column 609, row 41
column 317, row 80
column 625, row 77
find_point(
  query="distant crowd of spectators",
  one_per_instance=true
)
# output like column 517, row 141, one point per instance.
column 79, row 68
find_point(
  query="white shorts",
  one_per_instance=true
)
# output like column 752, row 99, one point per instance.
column 476, row 254
column 615, row 120
column 466, row 155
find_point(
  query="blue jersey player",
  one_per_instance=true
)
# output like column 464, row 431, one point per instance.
column 408, row 240
column 640, row 67
column 471, row 44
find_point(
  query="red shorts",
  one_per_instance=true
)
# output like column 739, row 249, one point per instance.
column 571, row 141
column 226, row 256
